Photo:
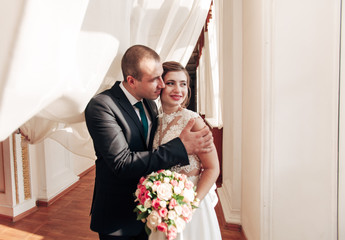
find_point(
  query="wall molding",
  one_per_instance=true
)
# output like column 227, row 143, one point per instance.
column 231, row 215
column 267, row 126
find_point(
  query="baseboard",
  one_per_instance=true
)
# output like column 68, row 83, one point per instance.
column 87, row 171
column 231, row 215
column 43, row 203
column 222, row 222
column 20, row 216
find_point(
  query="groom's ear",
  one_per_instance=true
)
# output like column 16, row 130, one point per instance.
column 131, row 81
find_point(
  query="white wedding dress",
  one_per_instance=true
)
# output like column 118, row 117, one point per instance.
column 204, row 224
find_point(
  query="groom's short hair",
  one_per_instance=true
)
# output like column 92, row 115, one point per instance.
column 130, row 63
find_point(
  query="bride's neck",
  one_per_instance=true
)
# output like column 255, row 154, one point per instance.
column 169, row 109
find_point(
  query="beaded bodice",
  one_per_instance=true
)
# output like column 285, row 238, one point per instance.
column 170, row 127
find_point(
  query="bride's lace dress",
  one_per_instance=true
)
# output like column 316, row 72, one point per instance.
column 204, row 224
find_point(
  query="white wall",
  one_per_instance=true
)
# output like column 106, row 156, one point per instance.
column 56, row 168
column 290, row 110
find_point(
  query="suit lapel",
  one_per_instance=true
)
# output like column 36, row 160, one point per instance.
column 153, row 115
column 126, row 105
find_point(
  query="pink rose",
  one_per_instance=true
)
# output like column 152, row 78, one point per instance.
column 163, row 212
column 188, row 184
column 163, row 227
column 156, row 203
column 172, row 203
column 142, row 189
column 186, row 213
column 159, row 171
column 156, row 183
column 182, row 177
column 172, row 233
column 174, row 182
column 142, row 179
column 142, row 199
column 147, row 195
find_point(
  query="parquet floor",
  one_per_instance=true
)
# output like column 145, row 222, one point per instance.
column 68, row 219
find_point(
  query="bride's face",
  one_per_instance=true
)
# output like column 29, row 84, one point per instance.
column 176, row 89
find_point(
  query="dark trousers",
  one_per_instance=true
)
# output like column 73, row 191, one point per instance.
column 141, row 236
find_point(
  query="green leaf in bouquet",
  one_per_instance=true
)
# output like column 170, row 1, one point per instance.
column 179, row 199
column 141, row 208
column 154, row 195
column 152, row 178
column 142, row 215
column 147, row 230
column 170, row 222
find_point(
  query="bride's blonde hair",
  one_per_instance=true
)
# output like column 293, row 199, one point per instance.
column 172, row 66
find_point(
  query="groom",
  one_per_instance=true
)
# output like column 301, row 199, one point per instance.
column 122, row 133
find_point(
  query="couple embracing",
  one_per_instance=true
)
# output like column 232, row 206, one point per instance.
column 131, row 140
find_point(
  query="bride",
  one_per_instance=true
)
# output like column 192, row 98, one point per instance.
column 203, row 169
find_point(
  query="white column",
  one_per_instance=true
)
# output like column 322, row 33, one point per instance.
column 231, row 73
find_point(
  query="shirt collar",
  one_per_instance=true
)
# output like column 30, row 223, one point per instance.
column 129, row 96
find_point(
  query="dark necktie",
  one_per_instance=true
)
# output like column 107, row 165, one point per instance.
column 143, row 117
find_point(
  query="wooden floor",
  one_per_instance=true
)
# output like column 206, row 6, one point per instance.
column 68, row 219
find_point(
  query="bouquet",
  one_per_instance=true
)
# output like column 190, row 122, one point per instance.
column 166, row 201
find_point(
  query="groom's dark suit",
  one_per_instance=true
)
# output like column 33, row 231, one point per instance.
column 122, row 158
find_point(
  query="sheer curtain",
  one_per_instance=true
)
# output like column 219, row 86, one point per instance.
column 209, row 78
column 55, row 55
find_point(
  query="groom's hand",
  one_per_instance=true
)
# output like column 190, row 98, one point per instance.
column 195, row 142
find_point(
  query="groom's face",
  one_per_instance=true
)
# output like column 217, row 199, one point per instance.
column 151, row 82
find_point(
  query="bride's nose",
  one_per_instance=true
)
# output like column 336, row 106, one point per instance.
column 177, row 88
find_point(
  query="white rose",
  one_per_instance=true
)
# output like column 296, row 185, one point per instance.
column 164, row 191
column 153, row 220
column 172, row 215
column 181, row 184
column 147, row 203
column 177, row 190
column 166, row 180
column 180, row 224
column 178, row 210
column 168, row 172
column 163, row 204
column 154, row 188
column 188, row 195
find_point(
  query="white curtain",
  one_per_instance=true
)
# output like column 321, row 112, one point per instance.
column 56, row 55
column 210, row 83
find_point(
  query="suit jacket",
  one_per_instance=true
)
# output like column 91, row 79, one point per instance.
column 122, row 158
